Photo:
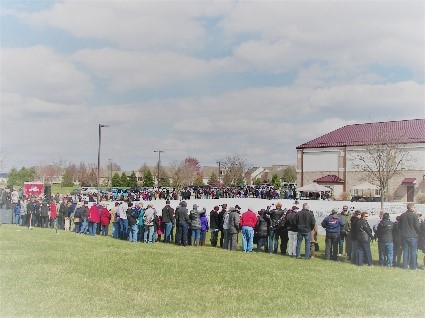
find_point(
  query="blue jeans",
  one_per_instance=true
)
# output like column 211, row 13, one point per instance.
column 115, row 230
column 273, row 241
column 332, row 243
column 196, row 234
column 363, row 251
column 92, row 228
column 148, row 235
column 410, row 250
column 247, row 238
column 18, row 219
column 123, row 228
column 306, row 237
column 105, row 230
column 386, row 254
column 134, row 229
column 84, row 226
column 262, row 241
column 167, row 235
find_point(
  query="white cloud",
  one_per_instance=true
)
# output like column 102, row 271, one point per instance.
column 41, row 73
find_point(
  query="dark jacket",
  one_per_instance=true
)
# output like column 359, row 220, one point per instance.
column 44, row 209
column 262, row 225
column 214, row 220
column 167, row 214
column 354, row 227
column 384, row 231
column 181, row 214
column 397, row 235
column 333, row 224
column 132, row 215
column 409, row 224
column 291, row 222
column 275, row 216
column 364, row 232
column 305, row 221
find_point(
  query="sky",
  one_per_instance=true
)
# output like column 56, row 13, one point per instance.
column 203, row 79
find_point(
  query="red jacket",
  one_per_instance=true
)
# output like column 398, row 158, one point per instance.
column 248, row 218
column 94, row 214
column 105, row 217
column 53, row 211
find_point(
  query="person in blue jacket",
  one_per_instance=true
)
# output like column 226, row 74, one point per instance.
column 333, row 225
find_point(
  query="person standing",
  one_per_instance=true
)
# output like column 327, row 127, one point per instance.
column 344, row 233
column 275, row 216
column 248, row 221
column 182, row 221
column 353, row 235
column 234, row 220
column 333, row 225
column 195, row 225
column 148, row 220
column 114, row 220
column 214, row 226
column 122, row 214
column 132, row 215
column 364, row 236
column 409, row 228
column 262, row 229
column 204, row 226
column 305, row 222
column 53, row 213
column 167, row 220
column 94, row 218
column 292, row 228
column 221, row 216
column 384, row 231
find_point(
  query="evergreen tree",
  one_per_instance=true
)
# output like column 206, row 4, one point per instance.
column 68, row 178
column 148, row 180
column 116, row 180
column 124, row 180
column 290, row 174
column 132, row 180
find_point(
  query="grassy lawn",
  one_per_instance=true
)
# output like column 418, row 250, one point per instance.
column 44, row 274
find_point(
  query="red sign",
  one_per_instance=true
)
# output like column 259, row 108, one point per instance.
column 33, row 189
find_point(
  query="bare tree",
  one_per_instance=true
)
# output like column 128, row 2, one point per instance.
column 183, row 173
column 381, row 160
column 234, row 168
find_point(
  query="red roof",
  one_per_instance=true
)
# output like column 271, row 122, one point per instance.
column 408, row 181
column 404, row 131
column 331, row 178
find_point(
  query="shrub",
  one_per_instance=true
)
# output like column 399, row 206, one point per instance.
column 345, row 196
column 420, row 198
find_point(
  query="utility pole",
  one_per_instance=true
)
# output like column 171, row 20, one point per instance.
column 159, row 163
column 219, row 173
column 98, row 160
column 110, row 170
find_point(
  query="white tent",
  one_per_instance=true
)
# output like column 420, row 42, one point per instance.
column 365, row 189
column 314, row 187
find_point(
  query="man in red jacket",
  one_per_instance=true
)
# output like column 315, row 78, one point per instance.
column 247, row 223
column 94, row 218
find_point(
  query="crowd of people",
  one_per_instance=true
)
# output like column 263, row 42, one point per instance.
column 348, row 234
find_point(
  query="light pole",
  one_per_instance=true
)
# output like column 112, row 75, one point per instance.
column 110, row 166
column 98, row 160
column 159, row 162
column 219, row 173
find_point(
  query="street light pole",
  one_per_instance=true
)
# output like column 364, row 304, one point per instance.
column 219, row 173
column 98, row 160
column 159, row 162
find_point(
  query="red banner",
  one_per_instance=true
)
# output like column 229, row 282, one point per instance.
column 33, row 189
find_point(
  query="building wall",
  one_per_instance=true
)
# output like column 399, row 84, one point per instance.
column 311, row 165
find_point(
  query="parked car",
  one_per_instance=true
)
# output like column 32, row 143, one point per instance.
column 88, row 190
column 76, row 192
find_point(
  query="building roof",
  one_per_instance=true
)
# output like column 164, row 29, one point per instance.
column 404, row 131
column 330, row 178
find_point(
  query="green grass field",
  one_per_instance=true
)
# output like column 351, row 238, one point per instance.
column 49, row 274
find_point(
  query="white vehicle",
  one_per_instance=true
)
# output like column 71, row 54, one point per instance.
column 88, row 190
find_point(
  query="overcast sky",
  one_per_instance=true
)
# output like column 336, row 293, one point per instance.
column 199, row 78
